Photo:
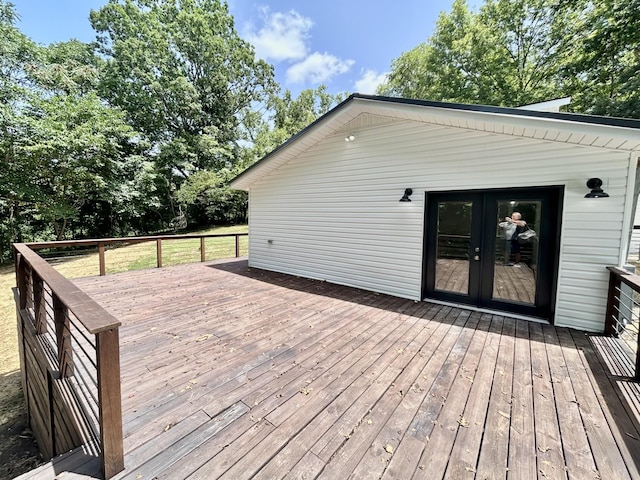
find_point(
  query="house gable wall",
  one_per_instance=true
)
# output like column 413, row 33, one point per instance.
column 332, row 212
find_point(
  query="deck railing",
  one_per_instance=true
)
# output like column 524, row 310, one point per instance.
column 69, row 351
column 159, row 240
column 623, row 311
column 70, row 359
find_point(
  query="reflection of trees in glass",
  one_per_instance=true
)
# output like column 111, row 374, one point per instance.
column 454, row 218
column 454, row 229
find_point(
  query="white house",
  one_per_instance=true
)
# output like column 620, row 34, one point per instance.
column 327, row 205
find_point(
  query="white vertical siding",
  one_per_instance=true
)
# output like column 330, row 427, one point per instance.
column 333, row 213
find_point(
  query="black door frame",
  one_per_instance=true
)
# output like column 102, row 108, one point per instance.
column 484, row 227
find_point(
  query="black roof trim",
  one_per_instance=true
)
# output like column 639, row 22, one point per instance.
column 569, row 117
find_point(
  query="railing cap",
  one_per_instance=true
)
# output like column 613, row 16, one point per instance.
column 107, row 241
column 94, row 318
column 626, row 277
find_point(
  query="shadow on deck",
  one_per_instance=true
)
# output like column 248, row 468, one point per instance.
column 231, row 372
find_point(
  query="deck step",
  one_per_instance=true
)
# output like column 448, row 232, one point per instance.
column 80, row 463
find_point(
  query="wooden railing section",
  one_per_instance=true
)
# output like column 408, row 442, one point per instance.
column 102, row 243
column 623, row 310
column 70, row 359
column 70, row 353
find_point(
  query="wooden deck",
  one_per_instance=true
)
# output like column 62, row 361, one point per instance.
column 229, row 372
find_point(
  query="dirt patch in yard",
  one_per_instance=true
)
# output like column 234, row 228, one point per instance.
column 18, row 449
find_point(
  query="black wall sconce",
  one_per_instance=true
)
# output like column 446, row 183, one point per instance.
column 407, row 193
column 595, row 184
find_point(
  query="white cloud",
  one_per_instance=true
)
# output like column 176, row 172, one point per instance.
column 369, row 82
column 317, row 68
column 283, row 36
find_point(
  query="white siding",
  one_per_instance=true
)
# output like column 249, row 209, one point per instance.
column 634, row 247
column 332, row 212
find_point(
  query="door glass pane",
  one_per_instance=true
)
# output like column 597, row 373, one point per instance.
column 452, row 246
column 516, row 258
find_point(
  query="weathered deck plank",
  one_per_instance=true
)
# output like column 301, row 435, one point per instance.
column 522, row 440
column 494, row 451
column 592, row 418
column 229, row 372
column 447, row 430
column 577, row 454
column 463, row 458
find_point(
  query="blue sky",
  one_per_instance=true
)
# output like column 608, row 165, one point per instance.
column 347, row 45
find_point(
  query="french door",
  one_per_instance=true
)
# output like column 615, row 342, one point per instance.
column 473, row 255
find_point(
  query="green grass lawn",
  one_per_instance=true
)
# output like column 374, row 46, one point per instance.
column 122, row 258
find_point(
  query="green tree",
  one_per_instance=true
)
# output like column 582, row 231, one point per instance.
column 286, row 116
column 183, row 75
column 73, row 148
column 188, row 83
column 605, row 72
column 509, row 53
column 62, row 146
column 16, row 52
column 209, row 192
column 67, row 68
column 283, row 117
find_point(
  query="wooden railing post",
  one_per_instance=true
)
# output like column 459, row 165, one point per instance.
column 103, row 268
column 21, row 280
column 159, row 252
column 203, row 256
column 21, row 284
column 39, row 304
column 613, row 304
column 63, row 337
column 110, row 402
column 637, row 375
column 237, row 246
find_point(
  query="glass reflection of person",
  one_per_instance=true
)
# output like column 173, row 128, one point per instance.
column 512, row 227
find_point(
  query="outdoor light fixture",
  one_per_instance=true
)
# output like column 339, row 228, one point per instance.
column 595, row 184
column 350, row 138
column 407, row 193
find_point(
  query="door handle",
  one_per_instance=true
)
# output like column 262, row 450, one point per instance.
column 477, row 249
column 476, row 258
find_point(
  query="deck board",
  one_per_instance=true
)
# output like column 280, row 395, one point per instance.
column 578, row 456
column 232, row 372
column 462, row 460
column 448, row 428
column 522, row 464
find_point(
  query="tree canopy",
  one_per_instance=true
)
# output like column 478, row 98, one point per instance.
column 516, row 52
column 604, row 72
column 183, row 75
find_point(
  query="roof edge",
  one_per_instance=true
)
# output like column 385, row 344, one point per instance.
column 569, row 117
column 513, row 111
